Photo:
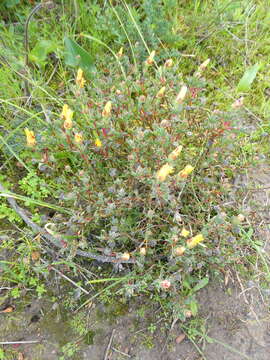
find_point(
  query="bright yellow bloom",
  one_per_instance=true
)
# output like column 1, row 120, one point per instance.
column 78, row 138
column 161, row 92
column 80, row 80
column 120, row 52
column 150, row 59
column 175, row 153
column 194, row 241
column 107, row 109
column 181, row 95
column 169, row 63
column 67, row 115
column 186, row 171
column 185, row 232
column 30, row 137
column 163, row 172
column 98, row 143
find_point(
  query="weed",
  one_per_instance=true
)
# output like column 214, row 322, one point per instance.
column 135, row 138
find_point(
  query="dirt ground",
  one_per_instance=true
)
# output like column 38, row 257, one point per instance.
column 238, row 322
column 236, row 315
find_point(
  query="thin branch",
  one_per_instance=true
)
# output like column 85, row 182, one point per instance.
column 19, row 342
column 109, row 346
column 66, row 278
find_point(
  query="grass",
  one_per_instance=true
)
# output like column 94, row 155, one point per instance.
column 102, row 195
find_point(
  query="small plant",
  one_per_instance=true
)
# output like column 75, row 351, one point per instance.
column 137, row 161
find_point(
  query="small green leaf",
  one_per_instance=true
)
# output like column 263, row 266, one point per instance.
column 76, row 56
column 202, row 283
column 247, row 78
column 40, row 51
column 194, row 308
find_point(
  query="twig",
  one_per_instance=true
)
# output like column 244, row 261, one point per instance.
column 66, row 278
column 19, row 342
column 167, row 339
column 109, row 346
column 56, row 242
column 121, row 352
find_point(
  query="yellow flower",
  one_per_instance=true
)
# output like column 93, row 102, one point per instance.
column 63, row 114
column 78, row 138
column 98, row 143
column 169, row 63
column 175, row 153
column 80, row 80
column 163, row 172
column 30, row 137
column 67, row 115
column 194, row 241
column 161, row 92
column 179, row 251
column 107, row 109
column 185, row 232
column 201, row 68
column 142, row 251
column 120, row 52
column 186, row 171
column 150, row 59
column 181, row 95
column 125, row 256
column 204, row 65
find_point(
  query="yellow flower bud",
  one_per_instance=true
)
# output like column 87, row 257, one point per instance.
column 67, row 115
column 185, row 172
column 185, row 232
column 107, row 109
column 63, row 114
column 120, row 52
column 181, row 95
column 78, row 138
column 163, row 172
column 161, row 92
column 169, row 63
column 179, row 251
column 98, row 143
column 80, row 80
column 30, row 137
column 125, row 256
column 201, row 68
column 194, row 241
column 150, row 59
column 175, row 153
column 204, row 65
column 143, row 251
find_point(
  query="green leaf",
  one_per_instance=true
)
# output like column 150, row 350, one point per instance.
column 202, row 283
column 194, row 308
column 247, row 78
column 11, row 3
column 76, row 56
column 40, row 51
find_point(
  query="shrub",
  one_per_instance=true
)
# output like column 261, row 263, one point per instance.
column 143, row 162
